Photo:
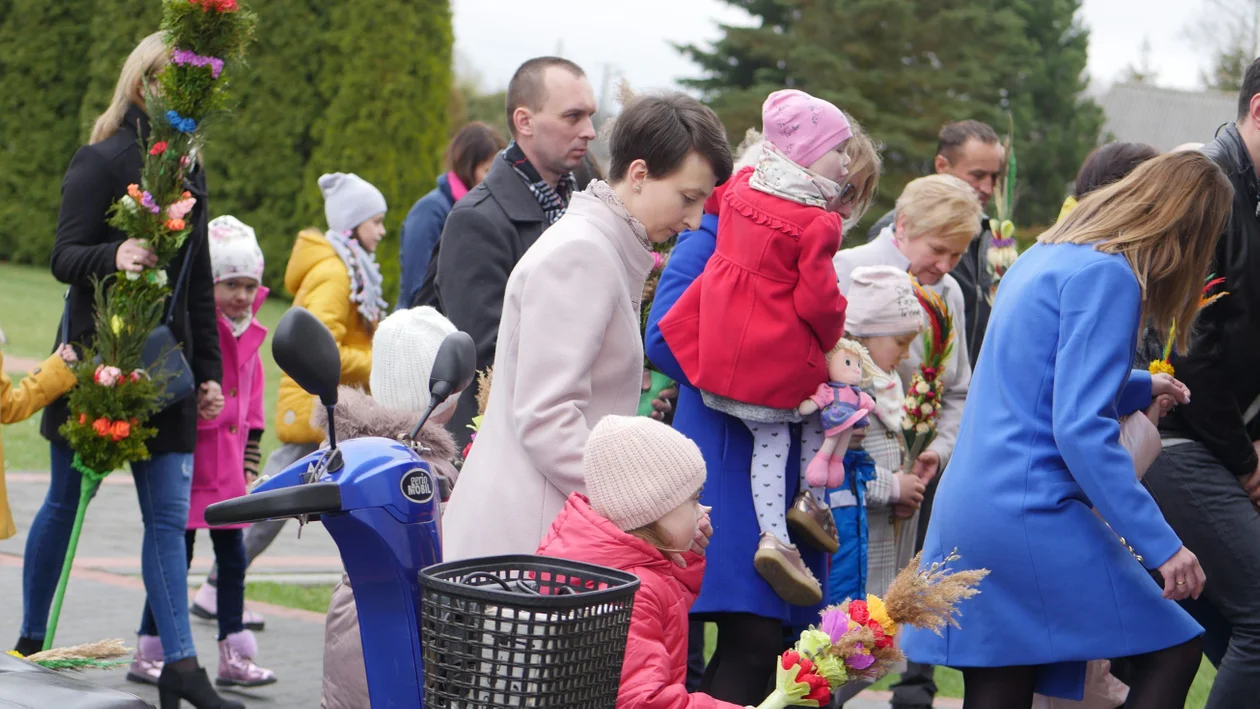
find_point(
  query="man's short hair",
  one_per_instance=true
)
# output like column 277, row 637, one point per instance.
column 1250, row 87
column 954, row 135
column 662, row 130
column 528, row 89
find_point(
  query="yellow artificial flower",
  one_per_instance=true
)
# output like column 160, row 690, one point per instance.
column 116, row 324
column 1159, row 366
column 879, row 613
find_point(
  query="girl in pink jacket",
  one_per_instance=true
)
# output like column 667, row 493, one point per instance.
column 227, row 455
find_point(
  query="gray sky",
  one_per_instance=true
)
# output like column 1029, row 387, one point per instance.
column 632, row 38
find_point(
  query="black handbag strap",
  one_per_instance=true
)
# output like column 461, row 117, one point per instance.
column 170, row 306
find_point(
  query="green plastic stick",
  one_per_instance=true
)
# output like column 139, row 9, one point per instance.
column 91, row 480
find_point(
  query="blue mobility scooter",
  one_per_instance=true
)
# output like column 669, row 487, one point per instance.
column 510, row 631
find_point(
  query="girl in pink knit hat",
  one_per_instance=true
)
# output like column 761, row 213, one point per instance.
column 751, row 332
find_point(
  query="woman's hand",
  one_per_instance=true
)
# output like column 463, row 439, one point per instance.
column 910, row 491
column 67, row 354
column 664, row 402
column 926, row 466
column 209, row 400
column 134, row 256
column 1183, row 577
column 1163, row 384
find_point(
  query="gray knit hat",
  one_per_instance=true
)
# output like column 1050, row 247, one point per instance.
column 349, row 200
column 638, row 470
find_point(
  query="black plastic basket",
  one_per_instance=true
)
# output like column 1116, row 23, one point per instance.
column 524, row 631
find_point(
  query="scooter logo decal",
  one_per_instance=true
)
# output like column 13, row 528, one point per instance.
column 417, row 486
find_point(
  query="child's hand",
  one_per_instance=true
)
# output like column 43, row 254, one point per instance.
column 67, row 354
column 209, row 400
column 910, row 491
column 1160, row 408
column 903, row 511
column 703, row 532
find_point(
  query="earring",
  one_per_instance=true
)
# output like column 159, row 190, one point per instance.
column 638, row 187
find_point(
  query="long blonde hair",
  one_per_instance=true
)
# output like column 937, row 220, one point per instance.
column 865, row 165
column 145, row 62
column 1165, row 218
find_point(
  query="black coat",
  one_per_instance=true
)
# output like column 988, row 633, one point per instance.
column 973, row 275
column 487, row 232
column 86, row 246
column 1221, row 366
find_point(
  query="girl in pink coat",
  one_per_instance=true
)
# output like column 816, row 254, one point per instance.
column 227, row 454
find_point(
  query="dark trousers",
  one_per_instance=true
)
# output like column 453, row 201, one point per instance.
column 1208, row 508
column 695, row 655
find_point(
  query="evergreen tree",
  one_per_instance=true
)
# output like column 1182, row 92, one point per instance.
column 42, row 45
column 387, row 87
column 256, row 161
column 1057, row 127
column 116, row 27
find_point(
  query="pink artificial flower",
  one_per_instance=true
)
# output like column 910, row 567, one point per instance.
column 835, row 623
column 180, row 209
column 107, row 376
column 862, row 661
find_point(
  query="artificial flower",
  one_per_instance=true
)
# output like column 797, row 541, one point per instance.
column 175, row 224
column 133, row 191
column 181, row 208
column 158, row 148
column 858, row 612
column 813, row 643
column 146, row 201
column 135, row 375
column 129, row 204
column 82, row 419
column 115, row 325
column 120, row 430
column 101, row 426
column 835, row 623
column 922, row 428
column 879, row 612
column 184, row 57
column 180, row 123
column 927, row 409
column 106, row 375
column 861, row 661
column 832, row 669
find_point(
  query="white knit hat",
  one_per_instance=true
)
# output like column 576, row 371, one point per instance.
column 234, row 251
column 349, row 200
column 403, row 350
column 881, row 303
column 638, row 470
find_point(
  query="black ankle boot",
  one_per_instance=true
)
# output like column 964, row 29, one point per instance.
column 28, row 646
column 192, row 684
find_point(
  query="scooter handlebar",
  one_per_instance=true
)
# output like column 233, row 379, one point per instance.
column 307, row 499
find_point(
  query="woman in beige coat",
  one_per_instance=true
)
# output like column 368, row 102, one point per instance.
column 570, row 350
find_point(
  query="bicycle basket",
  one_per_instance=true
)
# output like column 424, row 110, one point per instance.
column 524, row 631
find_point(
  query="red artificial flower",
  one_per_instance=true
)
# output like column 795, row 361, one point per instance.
column 120, row 430
column 884, row 642
column 102, row 427
column 819, row 690
column 82, row 419
column 858, row 612
column 467, row 449
column 175, row 224
column 158, row 148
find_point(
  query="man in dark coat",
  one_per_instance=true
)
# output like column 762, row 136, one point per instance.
column 1207, row 481
column 550, row 103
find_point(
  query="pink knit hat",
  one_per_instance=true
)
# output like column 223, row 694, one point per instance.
column 638, row 470
column 881, row 302
column 802, row 127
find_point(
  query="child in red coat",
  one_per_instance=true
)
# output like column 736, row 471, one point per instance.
column 751, row 333
column 644, row 516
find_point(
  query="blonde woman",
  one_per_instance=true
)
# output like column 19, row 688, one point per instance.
column 1039, row 448
column 88, row 248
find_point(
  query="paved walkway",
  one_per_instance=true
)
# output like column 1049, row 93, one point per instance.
column 106, row 594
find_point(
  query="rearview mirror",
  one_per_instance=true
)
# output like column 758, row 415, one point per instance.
column 454, row 366
column 306, row 351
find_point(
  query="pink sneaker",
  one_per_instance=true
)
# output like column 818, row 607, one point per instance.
column 147, row 666
column 205, row 605
column 236, row 662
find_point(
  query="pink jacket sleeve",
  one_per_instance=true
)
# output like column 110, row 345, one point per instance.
column 646, row 672
column 817, row 295
column 256, row 419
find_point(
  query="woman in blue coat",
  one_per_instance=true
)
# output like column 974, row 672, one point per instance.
column 1038, row 451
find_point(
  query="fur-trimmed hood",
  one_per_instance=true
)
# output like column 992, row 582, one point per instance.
column 360, row 416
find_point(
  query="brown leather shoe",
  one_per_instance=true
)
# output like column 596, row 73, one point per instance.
column 808, row 518
column 781, row 566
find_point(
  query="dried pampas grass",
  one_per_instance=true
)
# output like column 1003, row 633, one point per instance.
column 929, row 599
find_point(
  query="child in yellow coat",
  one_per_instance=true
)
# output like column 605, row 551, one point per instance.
column 50, row 380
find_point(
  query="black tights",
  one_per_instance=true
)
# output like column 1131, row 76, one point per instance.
column 1161, row 680
column 742, row 667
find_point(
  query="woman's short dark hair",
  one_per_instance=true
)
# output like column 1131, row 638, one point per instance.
column 662, row 130
column 1111, row 163
column 474, row 144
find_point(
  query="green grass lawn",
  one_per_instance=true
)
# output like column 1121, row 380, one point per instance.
column 30, row 318
column 290, row 595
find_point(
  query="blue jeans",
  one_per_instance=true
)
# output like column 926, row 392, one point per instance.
column 163, row 485
column 229, row 554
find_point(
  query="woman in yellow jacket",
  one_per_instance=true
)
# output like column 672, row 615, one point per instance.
column 335, row 276
column 48, row 382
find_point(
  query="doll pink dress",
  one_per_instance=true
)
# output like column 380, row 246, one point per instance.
column 842, row 407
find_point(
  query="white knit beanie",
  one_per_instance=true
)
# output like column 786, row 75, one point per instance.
column 349, row 200
column 403, row 350
column 234, row 251
column 881, row 302
column 638, row 470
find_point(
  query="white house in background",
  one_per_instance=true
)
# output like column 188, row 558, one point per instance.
column 1164, row 118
